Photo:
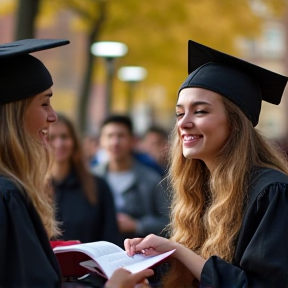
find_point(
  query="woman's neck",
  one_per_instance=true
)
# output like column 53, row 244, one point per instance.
column 60, row 170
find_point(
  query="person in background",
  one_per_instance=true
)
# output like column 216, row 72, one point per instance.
column 90, row 144
column 230, row 185
column 142, row 204
column 95, row 155
column 26, row 215
column 84, row 202
column 155, row 144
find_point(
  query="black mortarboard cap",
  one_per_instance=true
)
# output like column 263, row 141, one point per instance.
column 243, row 83
column 22, row 75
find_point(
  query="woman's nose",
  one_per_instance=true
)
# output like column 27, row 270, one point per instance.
column 189, row 124
column 52, row 116
column 186, row 122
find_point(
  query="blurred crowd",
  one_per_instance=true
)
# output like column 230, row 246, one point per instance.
column 109, row 186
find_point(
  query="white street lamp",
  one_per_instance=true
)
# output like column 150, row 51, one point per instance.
column 131, row 75
column 109, row 50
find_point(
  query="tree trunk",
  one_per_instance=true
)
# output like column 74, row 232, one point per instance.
column 85, row 89
column 87, row 78
column 26, row 15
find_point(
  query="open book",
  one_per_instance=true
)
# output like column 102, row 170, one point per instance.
column 101, row 257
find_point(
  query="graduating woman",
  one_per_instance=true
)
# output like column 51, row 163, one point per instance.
column 229, row 214
column 26, row 216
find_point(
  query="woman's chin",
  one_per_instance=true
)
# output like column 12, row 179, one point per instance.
column 188, row 155
column 191, row 156
column 41, row 140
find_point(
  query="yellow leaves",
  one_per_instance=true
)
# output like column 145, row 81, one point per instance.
column 79, row 24
column 7, row 6
column 65, row 103
column 47, row 13
column 85, row 12
column 266, row 8
column 157, row 33
column 218, row 21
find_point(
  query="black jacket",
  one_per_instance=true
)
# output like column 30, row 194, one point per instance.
column 82, row 220
column 26, row 258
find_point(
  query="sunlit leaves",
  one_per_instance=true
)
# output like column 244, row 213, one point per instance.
column 156, row 32
column 7, row 6
column 85, row 12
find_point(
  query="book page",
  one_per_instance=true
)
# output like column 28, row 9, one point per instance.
column 93, row 249
column 94, row 267
column 109, row 263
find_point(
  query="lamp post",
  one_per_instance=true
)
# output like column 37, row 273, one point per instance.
column 131, row 75
column 109, row 50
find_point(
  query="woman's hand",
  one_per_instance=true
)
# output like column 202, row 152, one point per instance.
column 154, row 245
column 122, row 278
column 149, row 246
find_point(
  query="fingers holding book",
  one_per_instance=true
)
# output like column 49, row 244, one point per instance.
column 149, row 246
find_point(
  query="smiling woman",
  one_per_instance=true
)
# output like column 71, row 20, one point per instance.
column 39, row 115
column 230, row 202
column 26, row 216
column 202, row 123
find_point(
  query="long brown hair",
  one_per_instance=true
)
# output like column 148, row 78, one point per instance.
column 77, row 161
column 25, row 162
column 207, row 207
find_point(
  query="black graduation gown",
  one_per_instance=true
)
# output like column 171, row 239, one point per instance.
column 26, row 258
column 261, row 255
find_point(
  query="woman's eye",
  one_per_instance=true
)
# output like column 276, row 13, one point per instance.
column 179, row 115
column 64, row 136
column 201, row 112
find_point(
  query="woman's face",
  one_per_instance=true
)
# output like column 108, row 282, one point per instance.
column 202, row 124
column 39, row 116
column 61, row 141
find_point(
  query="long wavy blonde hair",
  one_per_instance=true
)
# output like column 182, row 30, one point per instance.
column 207, row 208
column 25, row 162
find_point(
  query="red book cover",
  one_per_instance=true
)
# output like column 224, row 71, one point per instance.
column 69, row 262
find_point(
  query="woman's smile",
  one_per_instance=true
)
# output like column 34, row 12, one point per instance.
column 191, row 140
